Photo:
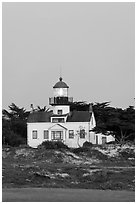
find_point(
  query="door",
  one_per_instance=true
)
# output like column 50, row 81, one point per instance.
column 96, row 139
column 57, row 135
column 104, row 140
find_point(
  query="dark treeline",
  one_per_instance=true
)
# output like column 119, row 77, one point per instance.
column 115, row 121
column 14, row 125
column 109, row 120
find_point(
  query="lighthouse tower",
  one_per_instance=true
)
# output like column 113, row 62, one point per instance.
column 60, row 100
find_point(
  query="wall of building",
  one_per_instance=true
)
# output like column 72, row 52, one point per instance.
column 77, row 141
column 92, row 137
column 65, row 109
column 40, row 127
column 100, row 136
column 71, row 142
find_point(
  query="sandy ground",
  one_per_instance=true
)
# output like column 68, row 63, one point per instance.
column 65, row 195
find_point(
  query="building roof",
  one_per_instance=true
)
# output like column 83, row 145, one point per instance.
column 79, row 116
column 60, row 84
column 75, row 116
column 35, row 117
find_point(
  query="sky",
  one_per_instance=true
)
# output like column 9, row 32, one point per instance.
column 93, row 44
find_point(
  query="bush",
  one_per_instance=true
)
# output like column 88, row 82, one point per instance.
column 101, row 176
column 53, row 145
column 12, row 139
column 25, row 146
column 87, row 144
column 126, row 154
column 81, row 150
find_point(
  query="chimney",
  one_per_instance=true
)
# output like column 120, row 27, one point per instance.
column 32, row 108
column 90, row 108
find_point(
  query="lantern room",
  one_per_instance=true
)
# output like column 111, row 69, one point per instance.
column 60, row 94
column 60, row 89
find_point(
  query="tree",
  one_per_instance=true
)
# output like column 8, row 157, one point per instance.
column 44, row 109
column 15, row 112
column 115, row 121
column 14, row 124
column 79, row 106
column 5, row 130
column 102, row 112
column 9, row 137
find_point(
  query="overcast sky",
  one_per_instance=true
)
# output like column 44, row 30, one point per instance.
column 92, row 42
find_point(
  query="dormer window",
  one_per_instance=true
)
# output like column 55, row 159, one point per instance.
column 59, row 112
column 58, row 120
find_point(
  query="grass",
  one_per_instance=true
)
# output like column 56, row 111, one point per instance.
column 67, row 168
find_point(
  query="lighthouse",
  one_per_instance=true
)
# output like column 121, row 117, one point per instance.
column 60, row 100
column 73, row 128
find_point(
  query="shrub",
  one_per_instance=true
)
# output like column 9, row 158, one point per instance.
column 101, row 176
column 80, row 150
column 12, row 139
column 87, row 144
column 25, row 146
column 126, row 154
column 53, row 145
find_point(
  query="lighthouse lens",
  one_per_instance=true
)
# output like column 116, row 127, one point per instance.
column 60, row 92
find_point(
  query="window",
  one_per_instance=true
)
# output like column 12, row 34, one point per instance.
column 71, row 134
column 34, row 134
column 59, row 112
column 104, row 140
column 96, row 139
column 46, row 134
column 57, row 135
column 58, row 120
column 61, row 120
column 82, row 133
column 54, row 120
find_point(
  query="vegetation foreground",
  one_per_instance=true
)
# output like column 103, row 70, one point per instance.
column 95, row 167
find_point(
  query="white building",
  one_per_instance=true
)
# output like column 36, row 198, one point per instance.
column 73, row 128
